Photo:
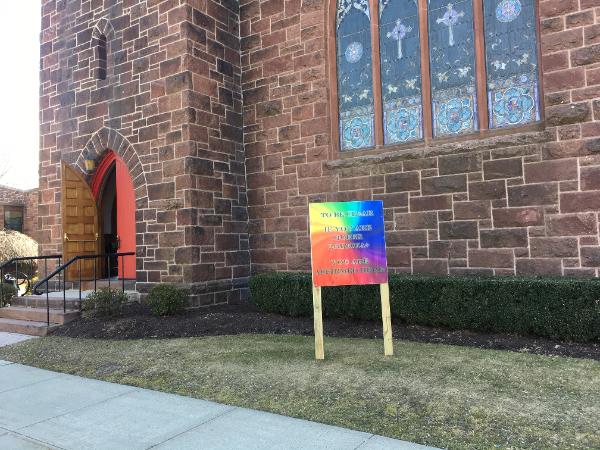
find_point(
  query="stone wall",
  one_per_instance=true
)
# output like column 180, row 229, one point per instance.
column 520, row 203
column 27, row 199
column 30, row 216
column 11, row 196
column 171, row 107
column 228, row 140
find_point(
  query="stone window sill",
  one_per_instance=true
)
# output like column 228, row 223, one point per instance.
column 512, row 138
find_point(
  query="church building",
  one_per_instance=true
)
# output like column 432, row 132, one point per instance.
column 195, row 133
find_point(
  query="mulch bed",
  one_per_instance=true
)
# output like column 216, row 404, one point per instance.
column 138, row 323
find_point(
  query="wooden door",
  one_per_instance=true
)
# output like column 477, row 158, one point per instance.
column 80, row 223
column 125, row 220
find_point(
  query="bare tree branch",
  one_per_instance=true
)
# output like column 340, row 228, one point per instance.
column 4, row 168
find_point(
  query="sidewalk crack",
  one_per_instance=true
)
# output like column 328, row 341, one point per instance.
column 364, row 442
column 218, row 416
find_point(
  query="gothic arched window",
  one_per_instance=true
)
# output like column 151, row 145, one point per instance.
column 512, row 69
column 355, row 74
column 101, row 57
column 400, row 55
column 410, row 70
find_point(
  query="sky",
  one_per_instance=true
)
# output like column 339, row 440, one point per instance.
column 19, row 87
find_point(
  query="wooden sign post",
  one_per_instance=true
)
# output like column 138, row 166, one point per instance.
column 348, row 248
column 318, row 319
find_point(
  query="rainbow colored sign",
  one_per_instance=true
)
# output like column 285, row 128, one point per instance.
column 348, row 243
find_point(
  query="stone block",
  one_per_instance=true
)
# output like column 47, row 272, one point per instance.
column 417, row 238
column 401, row 182
column 590, row 178
column 580, row 201
column 431, row 266
column 572, row 224
column 463, row 163
column 491, row 258
column 545, row 267
column 472, row 210
column 548, row 247
column 399, row 257
column 503, row 168
column 533, row 194
column 517, row 217
column 416, row 220
column 458, row 230
column 487, row 190
column 504, row 238
column 447, row 249
column 161, row 191
column 444, row 184
column 590, row 256
column 560, row 170
column 430, row 203
column 566, row 114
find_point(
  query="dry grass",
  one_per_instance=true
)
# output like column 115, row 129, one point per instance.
column 16, row 245
column 440, row 395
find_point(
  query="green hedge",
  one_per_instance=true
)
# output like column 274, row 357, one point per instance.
column 167, row 300
column 559, row 308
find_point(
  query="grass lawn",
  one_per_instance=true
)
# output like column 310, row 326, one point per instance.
column 433, row 394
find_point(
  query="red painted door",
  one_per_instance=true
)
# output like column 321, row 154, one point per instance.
column 125, row 219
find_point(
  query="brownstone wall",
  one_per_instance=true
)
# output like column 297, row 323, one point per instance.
column 171, row 107
column 28, row 200
column 31, row 198
column 520, row 203
column 11, row 196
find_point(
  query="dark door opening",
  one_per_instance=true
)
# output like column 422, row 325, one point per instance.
column 108, row 218
column 113, row 189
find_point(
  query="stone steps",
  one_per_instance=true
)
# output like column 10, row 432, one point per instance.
column 29, row 327
column 39, row 301
column 28, row 314
column 56, row 299
column 57, row 316
column 114, row 284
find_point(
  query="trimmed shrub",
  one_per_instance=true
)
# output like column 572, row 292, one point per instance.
column 558, row 308
column 167, row 300
column 17, row 245
column 104, row 303
column 7, row 292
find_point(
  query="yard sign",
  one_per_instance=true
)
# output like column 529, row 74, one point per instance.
column 348, row 248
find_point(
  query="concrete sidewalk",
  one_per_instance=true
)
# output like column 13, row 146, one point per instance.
column 12, row 338
column 47, row 410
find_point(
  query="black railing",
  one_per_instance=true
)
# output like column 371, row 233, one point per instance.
column 16, row 261
column 77, row 260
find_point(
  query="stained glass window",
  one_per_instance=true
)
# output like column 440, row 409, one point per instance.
column 452, row 59
column 355, row 74
column 511, row 59
column 477, row 60
column 400, row 52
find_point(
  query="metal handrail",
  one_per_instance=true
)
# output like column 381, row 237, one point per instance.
column 69, row 263
column 16, row 261
column 28, row 258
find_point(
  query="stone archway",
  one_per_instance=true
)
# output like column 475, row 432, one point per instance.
column 106, row 142
column 107, row 139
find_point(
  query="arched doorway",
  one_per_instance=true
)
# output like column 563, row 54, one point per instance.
column 113, row 190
